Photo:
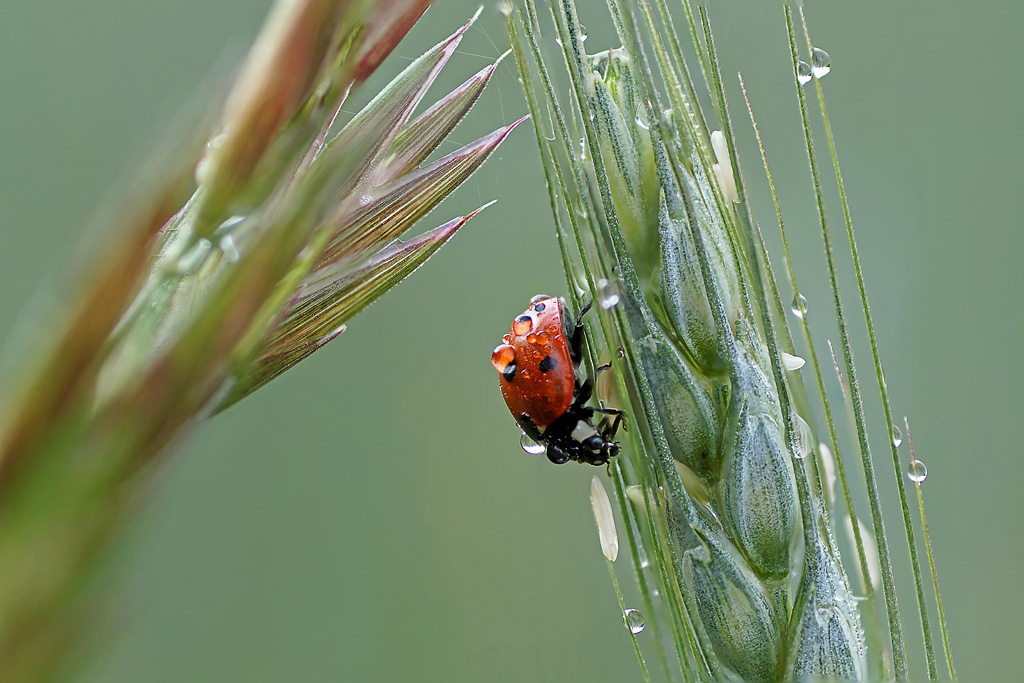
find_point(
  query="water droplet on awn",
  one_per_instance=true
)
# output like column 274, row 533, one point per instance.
column 917, row 471
column 821, row 63
column 799, row 305
column 634, row 620
column 531, row 446
column 607, row 293
column 803, row 73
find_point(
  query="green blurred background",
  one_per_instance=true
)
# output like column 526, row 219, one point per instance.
column 370, row 515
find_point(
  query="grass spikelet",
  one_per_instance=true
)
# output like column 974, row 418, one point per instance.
column 731, row 493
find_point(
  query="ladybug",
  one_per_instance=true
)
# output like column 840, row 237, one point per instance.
column 538, row 365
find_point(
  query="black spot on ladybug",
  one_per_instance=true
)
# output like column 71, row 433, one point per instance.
column 548, row 363
column 509, row 373
column 539, row 307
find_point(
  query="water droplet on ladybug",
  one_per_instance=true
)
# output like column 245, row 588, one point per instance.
column 522, row 324
column 539, row 297
column 507, row 338
column 531, row 338
column 502, row 356
column 531, row 446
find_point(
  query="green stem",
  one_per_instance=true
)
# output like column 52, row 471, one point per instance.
column 931, row 561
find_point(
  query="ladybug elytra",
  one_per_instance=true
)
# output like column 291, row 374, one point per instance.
column 537, row 364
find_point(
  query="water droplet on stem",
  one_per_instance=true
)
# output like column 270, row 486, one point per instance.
column 821, row 63
column 804, row 438
column 897, row 436
column 916, row 471
column 803, row 72
column 799, row 305
column 634, row 620
column 607, row 293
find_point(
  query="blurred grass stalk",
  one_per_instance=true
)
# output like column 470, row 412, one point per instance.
column 727, row 496
column 289, row 227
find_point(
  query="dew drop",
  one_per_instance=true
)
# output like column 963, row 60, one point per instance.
column 799, row 305
column 583, row 33
column 531, row 446
column 821, row 63
column 897, row 436
column 365, row 200
column 502, row 356
column 917, row 471
column 558, row 42
column 539, row 297
column 803, row 72
column 523, row 324
column 607, row 294
column 634, row 620
column 641, row 117
column 804, row 438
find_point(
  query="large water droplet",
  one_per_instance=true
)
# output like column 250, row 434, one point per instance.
column 799, row 305
column 897, row 436
column 583, row 33
column 821, row 63
column 531, row 446
column 607, row 293
column 503, row 356
column 539, row 297
column 803, row 72
column 804, row 438
column 634, row 620
column 917, row 471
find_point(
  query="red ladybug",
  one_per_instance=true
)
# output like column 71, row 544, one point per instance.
column 537, row 363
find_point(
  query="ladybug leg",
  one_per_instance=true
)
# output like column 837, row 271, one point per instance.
column 608, row 431
column 576, row 339
column 584, row 391
column 607, row 366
